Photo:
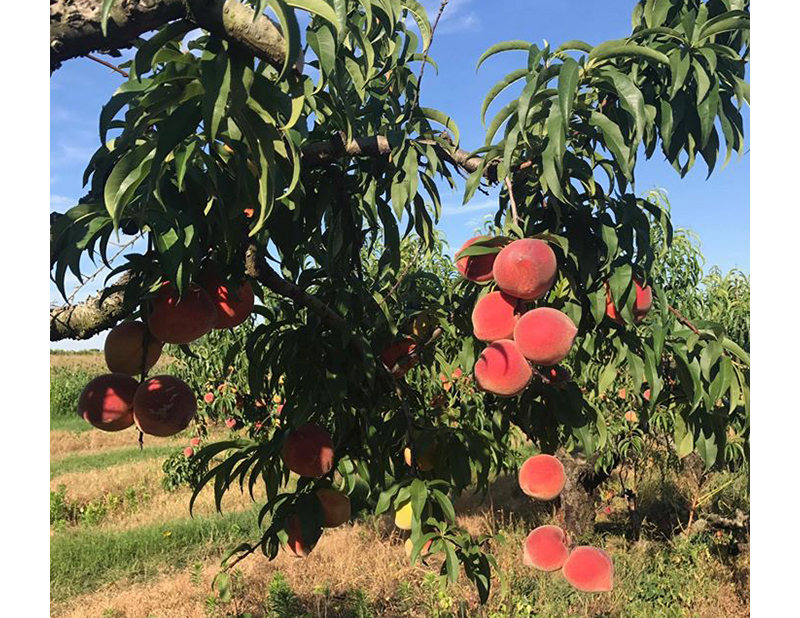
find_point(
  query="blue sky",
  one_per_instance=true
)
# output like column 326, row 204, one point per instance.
column 717, row 209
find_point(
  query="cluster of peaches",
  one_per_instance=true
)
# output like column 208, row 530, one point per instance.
column 523, row 271
column 308, row 451
column 162, row 405
column 586, row 568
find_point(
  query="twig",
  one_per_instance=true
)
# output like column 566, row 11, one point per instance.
column 242, row 556
column 512, row 201
column 402, row 275
column 102, row 268
column 683, row 319
column 425, row 55
column 107, row 64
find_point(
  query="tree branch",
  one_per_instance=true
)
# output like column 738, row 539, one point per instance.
column 75, row 26
column 683, row 319
column 256, row 266
column 90, row 317
column 321, row 153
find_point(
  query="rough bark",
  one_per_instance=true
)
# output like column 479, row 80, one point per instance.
column 578, row 498
column 75, row 26
column 90, row 317
column 320, row 153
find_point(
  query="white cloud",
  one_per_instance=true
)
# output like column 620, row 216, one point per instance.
column 487, row 204
column 458, row 16
column 61, row 202
column 71, row 154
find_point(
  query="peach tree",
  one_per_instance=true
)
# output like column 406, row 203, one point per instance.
column 297, row 163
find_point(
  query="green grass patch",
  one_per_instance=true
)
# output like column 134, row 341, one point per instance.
column 72, row 424
column 107, row 459
column 66, row 384
column 84, row 560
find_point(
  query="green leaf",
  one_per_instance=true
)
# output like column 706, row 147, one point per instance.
column 703, row 81
column 504, row 83
column 707, row 111
column 736, row 350
column 451, row 562
column 713, row 27
column 684, row 440
column 614, row 141
column 110, row 109
column 318, row 7
column 181, row 123
column 105, row 11
column 632, row 100
column 127, row 175
column 445, row 504
column 567, row 88
column 679, row 63
column 216, row 77
column 502, row 47
column 554, row 152
column 443, row 119
column 421, row 17
column 144, row 56
column 655, row 12
column 628, row 51
column 498, row 121
column 291, row 35
column 576, row 45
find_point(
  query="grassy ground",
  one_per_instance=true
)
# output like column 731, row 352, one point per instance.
column 122, row 546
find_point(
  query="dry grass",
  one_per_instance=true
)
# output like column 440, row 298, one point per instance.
column 161, row 505
column 361, row 557
column 350, row 557
column 92, row 484
column 67, row 442
column 95, row 360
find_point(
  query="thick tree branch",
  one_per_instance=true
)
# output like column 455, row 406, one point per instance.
column 90, row 317
column 75, row 26
column 321, row 153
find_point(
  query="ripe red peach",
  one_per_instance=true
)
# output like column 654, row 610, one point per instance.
column 477, row 268
column 163, row 406
column 184, row 319
column 545, row 335
column 188, row 451
column 398, row 352
column 106, row 402
column 495, row 316
column 308, row 451
column 335, row 507
column 641, row 306
column 424, row 461
column 542, row 477
column 233, row 304
column 526, row 268
column 295, row 544
column 124, row 348
column 502, row 369
column 589, row 569
column 545, row 548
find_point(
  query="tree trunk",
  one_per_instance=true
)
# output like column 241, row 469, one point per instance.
column 577, row 511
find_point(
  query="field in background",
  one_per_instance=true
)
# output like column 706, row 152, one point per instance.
column 123, row 546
